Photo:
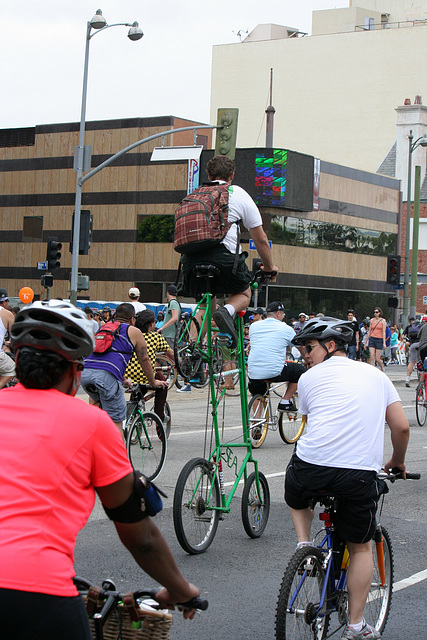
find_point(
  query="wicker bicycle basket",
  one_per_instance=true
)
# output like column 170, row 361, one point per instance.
column 151, row 624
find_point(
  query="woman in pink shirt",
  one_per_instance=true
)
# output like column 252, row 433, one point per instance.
column 49, row 477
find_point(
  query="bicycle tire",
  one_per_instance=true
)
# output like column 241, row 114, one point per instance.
column 378, row 603
column 299, row 597
column 291, row 430
column 187, row 356
column 195, row 525
column 258, row 420
column 255, row 509
column 167, row 367
column 420, row 403
column 146, row 447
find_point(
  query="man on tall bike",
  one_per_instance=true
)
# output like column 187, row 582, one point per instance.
column 232, row 280
column 346, row 403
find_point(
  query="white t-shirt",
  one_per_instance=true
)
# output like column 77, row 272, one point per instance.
column 345, row 402
column 138, row 306
column 269, row 340
column 240, row 207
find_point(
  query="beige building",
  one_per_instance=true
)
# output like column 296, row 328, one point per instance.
column 335, row 92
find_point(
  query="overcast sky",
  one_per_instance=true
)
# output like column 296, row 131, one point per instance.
column 166, row 73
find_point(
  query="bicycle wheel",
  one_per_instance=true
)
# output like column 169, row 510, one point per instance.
column 258, row 420
column 378, row 602
column 146, row 444
column 165, row 366
column 297, row 614
column 187, row 357
column 291, row 426
column 420, row 403
column 195, row 504
column 255, row 505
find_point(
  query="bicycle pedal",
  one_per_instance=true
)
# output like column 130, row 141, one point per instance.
column 224, row 339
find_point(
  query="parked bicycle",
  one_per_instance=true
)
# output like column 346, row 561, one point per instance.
column 421, row 395
column 313, row 590
column 262, row 416
column 145, row 435
column 132, row 616
column 200, row 494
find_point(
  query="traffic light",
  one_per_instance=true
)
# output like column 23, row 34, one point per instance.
column 393, row 303
column 53, row 254
column 47, row 280
column 226, row 134
column 393, row 269
column 86, row 222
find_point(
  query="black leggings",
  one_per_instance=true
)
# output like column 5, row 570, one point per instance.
column 25, row 615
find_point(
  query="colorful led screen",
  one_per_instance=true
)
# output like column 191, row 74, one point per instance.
column 270, row 177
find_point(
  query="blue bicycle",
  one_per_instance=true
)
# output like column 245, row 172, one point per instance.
column 314, row 585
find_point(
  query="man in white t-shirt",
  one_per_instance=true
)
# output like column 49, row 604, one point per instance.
column 346, row 403
column 232, row 280
column 134, row 295
column 269, row 341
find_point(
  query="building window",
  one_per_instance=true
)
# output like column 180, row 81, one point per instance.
column 18, row 137
column 32, row 229
column 327, row 235
column 157, row 228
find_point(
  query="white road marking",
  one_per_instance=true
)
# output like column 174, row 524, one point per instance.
column 408, row 582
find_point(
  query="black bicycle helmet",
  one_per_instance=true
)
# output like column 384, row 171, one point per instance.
column 325, row 328
column 54, row 325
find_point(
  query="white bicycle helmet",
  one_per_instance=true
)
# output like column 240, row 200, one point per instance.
column 54, row 325
column 325, row 328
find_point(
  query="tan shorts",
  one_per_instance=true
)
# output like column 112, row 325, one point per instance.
column 7, row 365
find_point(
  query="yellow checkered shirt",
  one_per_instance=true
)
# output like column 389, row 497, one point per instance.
column 155, row 343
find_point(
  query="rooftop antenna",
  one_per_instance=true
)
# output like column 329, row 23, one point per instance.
column 270, row 111
column 241, row 33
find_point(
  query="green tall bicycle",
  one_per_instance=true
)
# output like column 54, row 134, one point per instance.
column 200, row 495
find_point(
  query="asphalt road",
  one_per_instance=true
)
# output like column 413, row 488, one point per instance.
column 241, row 577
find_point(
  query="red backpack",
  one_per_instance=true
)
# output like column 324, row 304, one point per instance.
column 201, row 220
column 104, row 338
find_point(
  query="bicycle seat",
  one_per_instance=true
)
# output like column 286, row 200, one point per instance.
column 206, row 271
column 326, row 499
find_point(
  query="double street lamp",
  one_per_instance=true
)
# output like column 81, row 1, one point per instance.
column 421, row 141
column 96, row 25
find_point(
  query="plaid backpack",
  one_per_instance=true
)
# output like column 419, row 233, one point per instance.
column 104, row 338
column 201, row 220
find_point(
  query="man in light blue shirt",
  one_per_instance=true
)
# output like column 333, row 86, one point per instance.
column 269, row 340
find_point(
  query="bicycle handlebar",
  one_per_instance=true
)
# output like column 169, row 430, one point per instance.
column 261, row 275
column 397, row 474
column 109, row 593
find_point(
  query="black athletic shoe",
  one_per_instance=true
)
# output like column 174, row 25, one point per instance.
column 225, row 324
column 286, row 407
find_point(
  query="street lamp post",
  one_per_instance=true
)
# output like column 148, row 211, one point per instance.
column 98, row 24
column 421, row 141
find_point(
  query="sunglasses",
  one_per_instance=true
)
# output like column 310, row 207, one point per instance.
column 309, row 347
column 376, row 311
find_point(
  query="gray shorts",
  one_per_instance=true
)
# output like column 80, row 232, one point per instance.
column 104, row 388
column 413, row 352
column 7, row 365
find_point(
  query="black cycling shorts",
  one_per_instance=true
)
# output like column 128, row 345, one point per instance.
column 291, row 372
column 25, row 615
column 358, row 492
column 226, row 282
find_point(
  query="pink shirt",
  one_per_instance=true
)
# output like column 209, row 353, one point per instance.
column 54, row 449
